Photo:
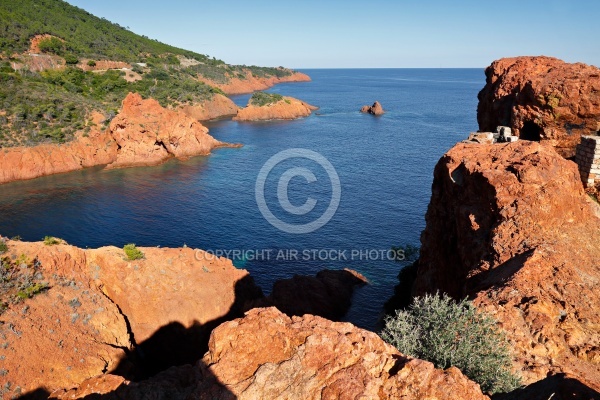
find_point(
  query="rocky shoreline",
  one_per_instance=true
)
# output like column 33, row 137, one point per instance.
column 251, row 83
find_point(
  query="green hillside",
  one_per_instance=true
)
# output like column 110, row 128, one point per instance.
column 41, row 104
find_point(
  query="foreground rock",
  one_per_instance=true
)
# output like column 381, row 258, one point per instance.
column 251, row 83
column 93, row 312
column 375, row 109
column 541, row 98
column 267, row 355
column 510, row 226
column 286, row 108
column 144, row 133
column 218, row 107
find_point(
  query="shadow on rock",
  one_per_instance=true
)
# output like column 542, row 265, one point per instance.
column 170, row 357
column 556, row 387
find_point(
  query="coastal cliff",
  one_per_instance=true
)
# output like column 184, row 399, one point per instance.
column 250, row 83
column 541, row 99
column 281, row 108
column 143, row 133
column 510, row 226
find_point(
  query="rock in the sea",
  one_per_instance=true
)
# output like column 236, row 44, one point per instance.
column 328, row 294
column 268, row 355
column 375, row 109
column 71, row 314
column 286, row 108
column 541, row 98
column 510, row 226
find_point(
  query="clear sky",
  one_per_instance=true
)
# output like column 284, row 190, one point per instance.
column 365, row 34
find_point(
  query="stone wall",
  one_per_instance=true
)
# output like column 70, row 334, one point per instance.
column 588, row 159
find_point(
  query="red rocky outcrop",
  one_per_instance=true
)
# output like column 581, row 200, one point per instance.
column 143, row 133
column 541, row 98
column 100, row 312
column 286, row 108
column 510, row 226
column 268, row 355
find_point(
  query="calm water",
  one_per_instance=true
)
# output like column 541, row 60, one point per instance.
column 384, row 164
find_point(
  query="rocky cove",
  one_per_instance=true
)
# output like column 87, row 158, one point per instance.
column 500, row 228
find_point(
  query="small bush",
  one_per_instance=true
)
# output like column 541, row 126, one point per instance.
column 51, row 241
column 91, row 63
column 132, row 252
column 31, row 291
column 71, row 59
column 3, row 246
column 437, row 329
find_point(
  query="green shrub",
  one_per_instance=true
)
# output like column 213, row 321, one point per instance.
column 91, row 63
column 132, row 252
column 71, row 59
column 51, row 45
column 3, row 246
column 31, row 290
column 438, row 329
column 262, row 99
column 51, row 240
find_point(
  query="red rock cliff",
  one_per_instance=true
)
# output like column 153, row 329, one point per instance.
column 541, row 98
column 510, row 226
column 144, row 133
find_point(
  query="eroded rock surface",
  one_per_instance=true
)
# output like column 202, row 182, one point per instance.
column 148, row 134
column 100, row 312
column 286, row 108
column 268, row 355
column 541, row 98
column 510, row 226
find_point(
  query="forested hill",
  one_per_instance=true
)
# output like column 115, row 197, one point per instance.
column 84, row 34
column 59, row 64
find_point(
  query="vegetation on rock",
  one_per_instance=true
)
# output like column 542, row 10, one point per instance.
column 448, row 333
column 53, row 105
column 132, row 252
column 51, row 241
column 260, row 99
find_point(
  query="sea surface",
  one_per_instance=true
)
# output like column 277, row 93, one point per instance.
column 384, row 166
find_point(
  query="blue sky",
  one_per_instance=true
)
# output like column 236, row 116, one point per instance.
column 365, row 34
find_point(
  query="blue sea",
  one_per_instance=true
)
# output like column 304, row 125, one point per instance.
column 380, row 169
